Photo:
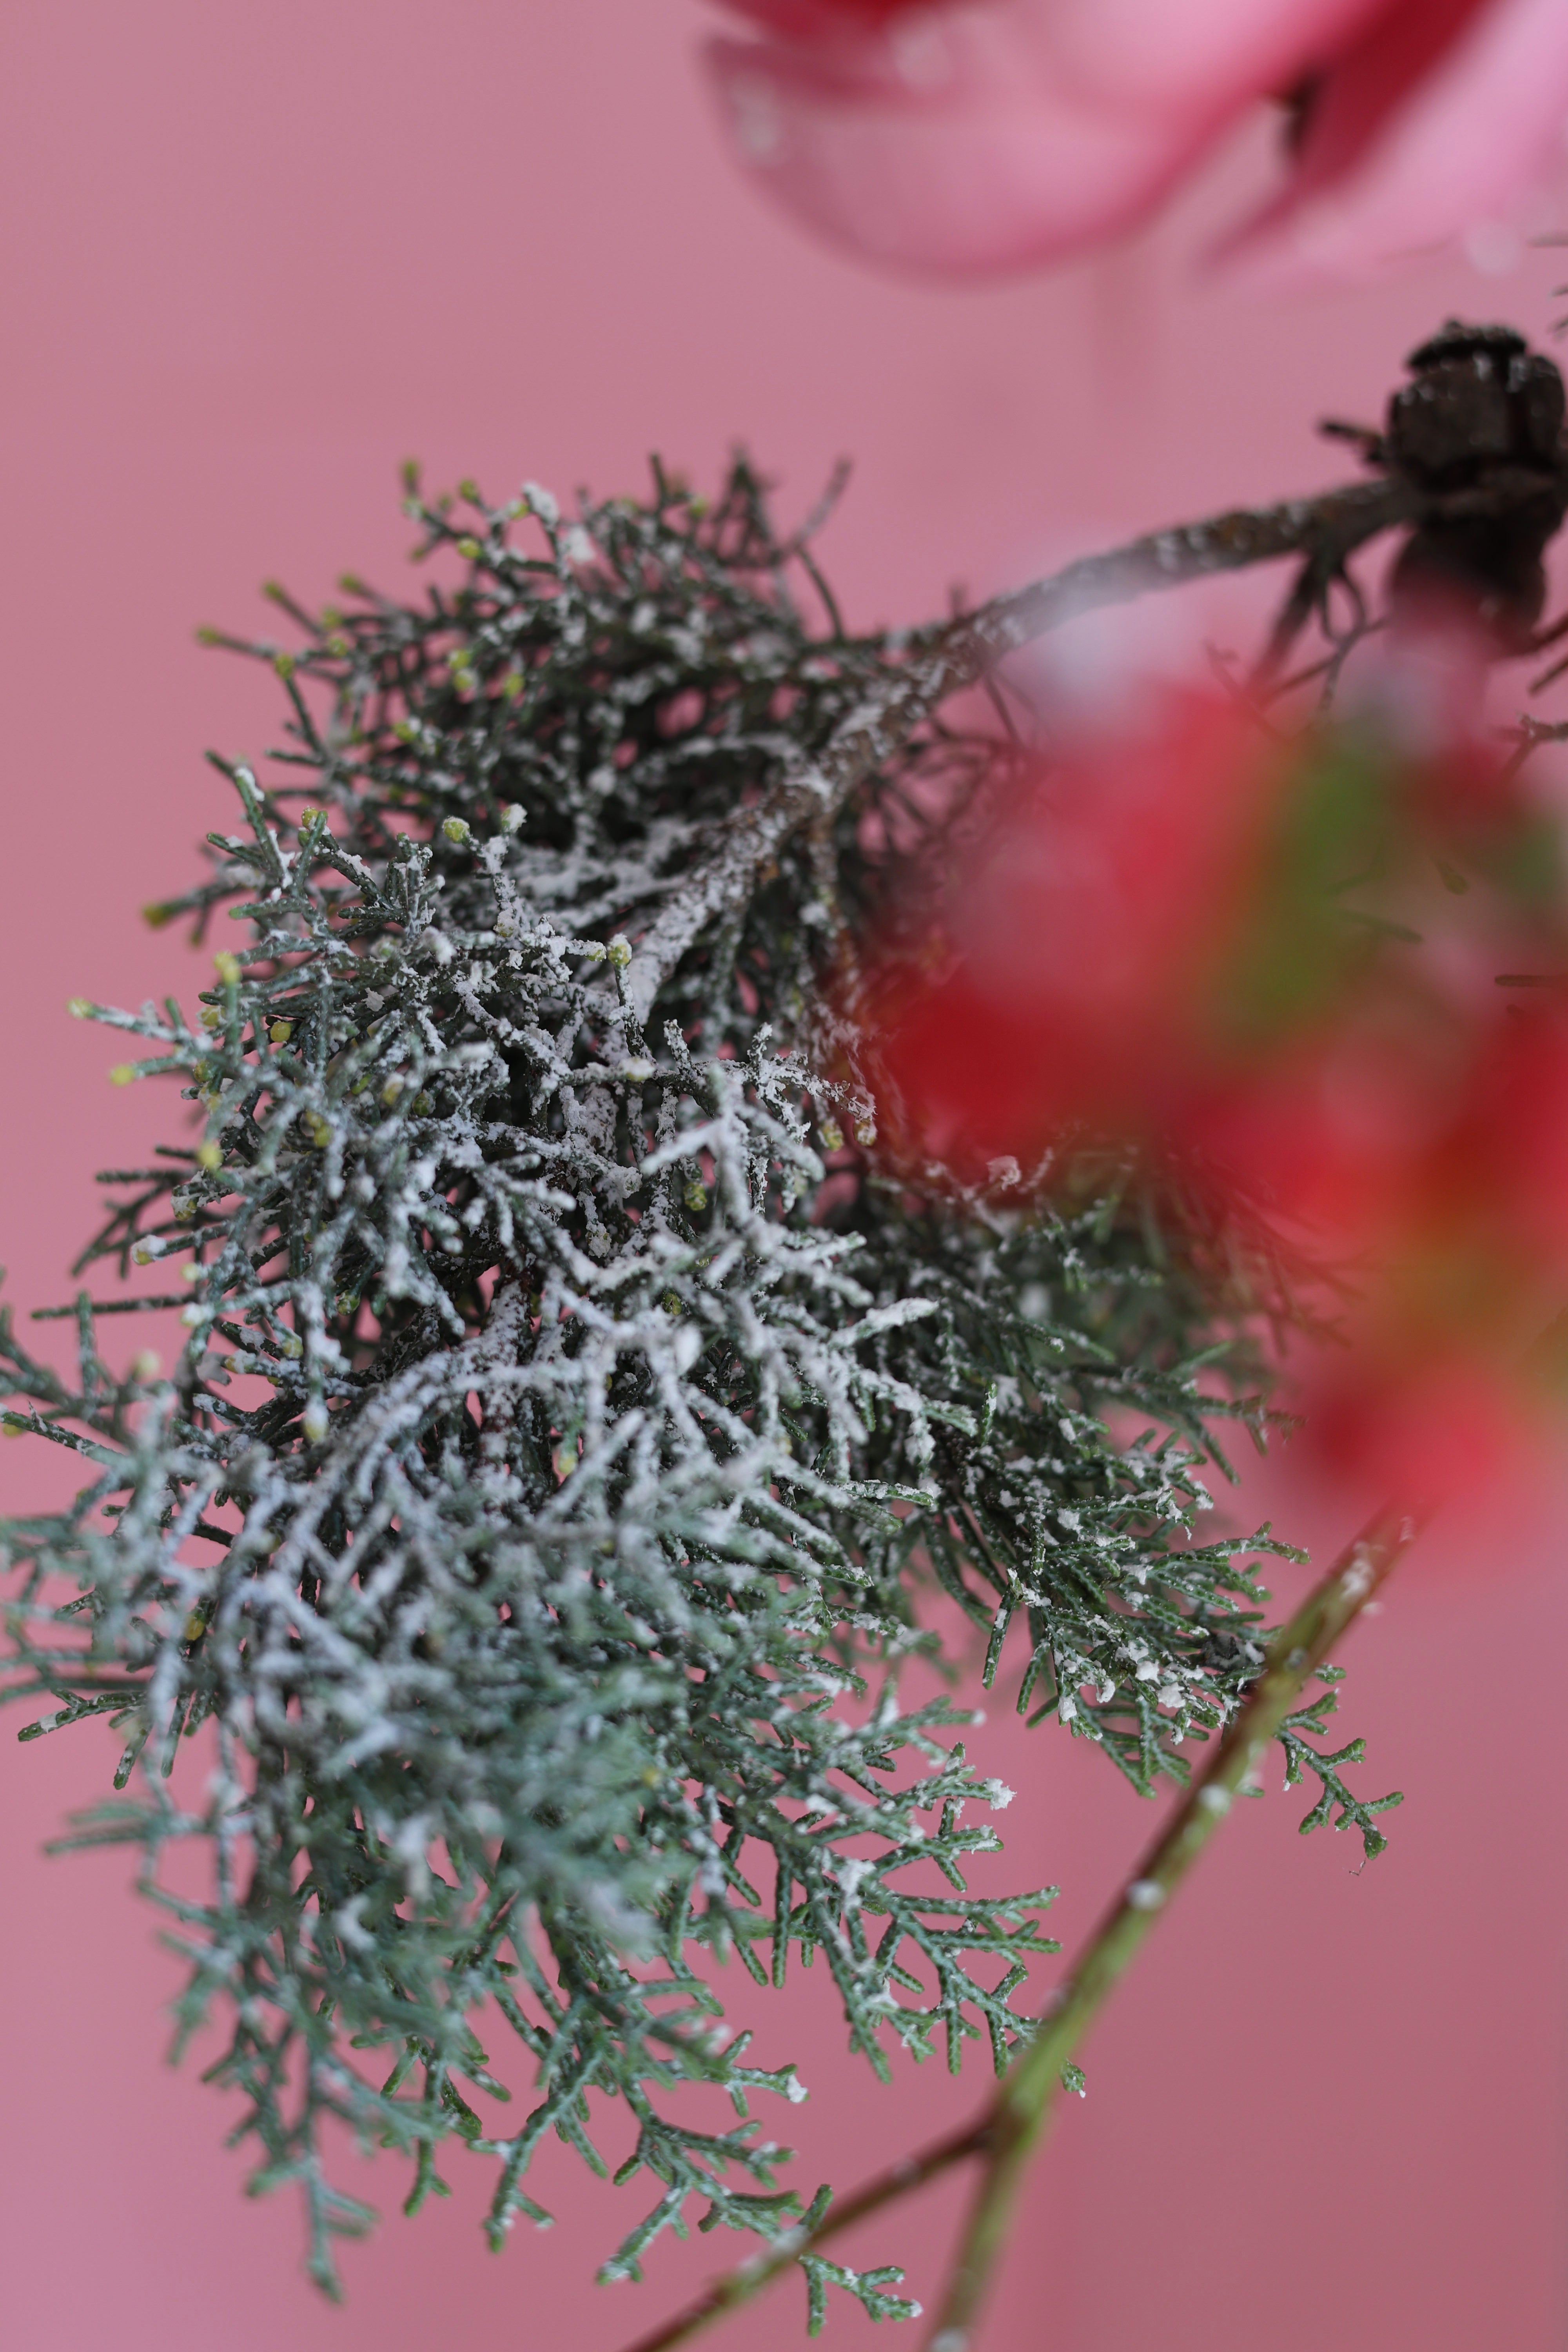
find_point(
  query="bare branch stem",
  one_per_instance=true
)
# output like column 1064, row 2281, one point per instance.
column 943, row 660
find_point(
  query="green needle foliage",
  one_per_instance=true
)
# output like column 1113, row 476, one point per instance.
column 570, row 1423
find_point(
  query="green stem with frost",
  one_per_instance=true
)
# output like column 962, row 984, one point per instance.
column 1005, row 2134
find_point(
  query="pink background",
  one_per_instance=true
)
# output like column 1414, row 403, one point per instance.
column 253, row 255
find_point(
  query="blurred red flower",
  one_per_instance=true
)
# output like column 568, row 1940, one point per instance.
column 980, row 135
column 1270, row 968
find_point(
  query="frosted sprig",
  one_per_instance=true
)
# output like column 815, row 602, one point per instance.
column 569, row 1422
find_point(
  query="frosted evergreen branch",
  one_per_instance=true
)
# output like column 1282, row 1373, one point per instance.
column 573, row 1420
column 570, row 1427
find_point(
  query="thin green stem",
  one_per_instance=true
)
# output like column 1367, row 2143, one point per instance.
column 1029, row 2090
column 1005, row 2134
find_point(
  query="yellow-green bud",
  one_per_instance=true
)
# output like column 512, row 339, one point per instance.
column 209, row 1155
column 79, row 1008
column 122, row 1073
column 281, row 1032
column 468, row 546
column 456, row 830
column 227, row 966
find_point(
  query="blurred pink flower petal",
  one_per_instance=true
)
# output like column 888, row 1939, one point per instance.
column 942, row 142
column 1428, row 127
column 811, row 18
column 984, row 136
column 1194, row 54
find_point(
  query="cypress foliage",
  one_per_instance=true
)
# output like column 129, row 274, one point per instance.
column 574, row 1427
